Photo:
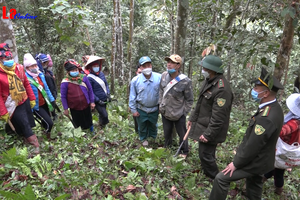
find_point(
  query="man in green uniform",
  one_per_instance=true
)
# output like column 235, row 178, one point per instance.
column 255, row 155
column 209, row 120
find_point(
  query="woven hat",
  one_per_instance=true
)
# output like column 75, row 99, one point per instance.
column 92, row 59
column 293, row 103
column 213, row 63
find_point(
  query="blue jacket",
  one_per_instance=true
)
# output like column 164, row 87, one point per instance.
column 35, row 90
column 99, row 93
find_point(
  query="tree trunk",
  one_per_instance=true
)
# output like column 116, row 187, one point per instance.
column 286, row 44
column 7, row 32
column 131, row 27
column 192, row 55
column 181, row 26
column 172, row 28
column 120, row 56
column 113, row 48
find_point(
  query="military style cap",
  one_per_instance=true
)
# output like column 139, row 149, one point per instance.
column 265, row 80
column 213, row 63
column 175, row 58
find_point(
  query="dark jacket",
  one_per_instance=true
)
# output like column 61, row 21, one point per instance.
column 212, row 112
column 256, row 153
column 97, row 89
column 51, row 83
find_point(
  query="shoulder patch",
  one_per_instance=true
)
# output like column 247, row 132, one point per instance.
column 221, row 83
column 266, row 111
column 259, row 129
column 221, row 102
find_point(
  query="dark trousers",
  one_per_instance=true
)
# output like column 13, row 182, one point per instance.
column 278, row 177
column 43, row 115
column 103, row 116
column 181, row 130
column 22, row 120
column 82, row 118
column 136, row 127
column 207, row 155
column 222, row 183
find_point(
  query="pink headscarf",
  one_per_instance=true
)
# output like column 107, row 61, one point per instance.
column 50, row 64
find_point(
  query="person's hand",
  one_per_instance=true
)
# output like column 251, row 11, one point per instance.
column 108, row 98
column 53, row 103
column 32, row 103
column 66, row 112
column 203, row 139
column 230, row 168
column 136, row 114
column 5, row 117
column 101, row 103
column 93, row 106
column 189, row 123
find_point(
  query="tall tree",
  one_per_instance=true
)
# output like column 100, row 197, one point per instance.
column 7, row 31
column 119, row 42
column 286, row 43
column 131, row 27
column 114, row 46
column 181, row 26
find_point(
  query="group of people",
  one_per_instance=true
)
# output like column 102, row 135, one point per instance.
column 171, row 95
column 29, row 93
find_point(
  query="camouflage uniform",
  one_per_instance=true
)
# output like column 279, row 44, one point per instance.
column 174, row 107
column 211, row 119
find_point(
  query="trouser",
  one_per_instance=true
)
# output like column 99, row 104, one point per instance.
column 82, row 118
column 136, row 127
column 222, row 183
column 181, row 130
column 103, row 116
column 44, row 115
column 207, row 155
column 22, row 120
column 278, row 176
column 147, row 124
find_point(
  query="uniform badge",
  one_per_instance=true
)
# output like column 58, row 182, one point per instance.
column 221, row 102
column 259, row 129
column 221, row 83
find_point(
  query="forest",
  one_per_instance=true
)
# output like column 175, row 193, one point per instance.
column 112, row 164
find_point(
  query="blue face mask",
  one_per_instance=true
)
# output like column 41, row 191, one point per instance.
column 8, row 63
column 171, row 71
column 74, row 74
column 96, row 69
column 255, row 94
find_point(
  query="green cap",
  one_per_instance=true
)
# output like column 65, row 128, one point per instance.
column 213, row 63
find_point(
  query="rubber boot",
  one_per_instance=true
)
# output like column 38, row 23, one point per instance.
column 34, row 141
column 278, row 190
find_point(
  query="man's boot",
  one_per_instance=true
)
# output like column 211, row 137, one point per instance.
column 34, row 141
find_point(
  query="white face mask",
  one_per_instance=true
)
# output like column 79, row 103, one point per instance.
column 147, row 71
column 205, row 74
